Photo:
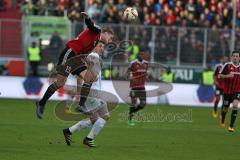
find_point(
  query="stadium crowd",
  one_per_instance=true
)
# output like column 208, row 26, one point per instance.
column 192, row 16
column 191, row 13
column 211, row 14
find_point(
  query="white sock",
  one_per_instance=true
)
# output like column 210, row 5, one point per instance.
column 80, row 125
column 96, row 128
column 69, row 102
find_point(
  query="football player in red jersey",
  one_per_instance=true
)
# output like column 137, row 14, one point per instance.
column 137, row 73
column 218, row 84
column 230, row 74
column 73, row 60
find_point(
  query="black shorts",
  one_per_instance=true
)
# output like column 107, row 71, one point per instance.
column 68, row 63
column 218, row 91
column 138, row 93
column 228, row 98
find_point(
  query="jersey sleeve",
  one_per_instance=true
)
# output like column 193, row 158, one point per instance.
column 216, row 70
column 224, row 70
column 92, row 26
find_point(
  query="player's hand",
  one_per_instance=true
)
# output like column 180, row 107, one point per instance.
column 84, row 15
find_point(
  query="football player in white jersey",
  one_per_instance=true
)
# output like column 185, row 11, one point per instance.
column 96, row 109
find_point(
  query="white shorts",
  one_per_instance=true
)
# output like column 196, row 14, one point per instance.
column 96, row 108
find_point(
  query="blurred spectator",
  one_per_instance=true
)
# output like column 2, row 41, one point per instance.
column 56, row 41
column 52, row 7
column 93, row 10
column 26, row 7
column 121, row 5
column 54, row 49
column 168, row 76
column 34, row 58
column 133, row 51
column 74, row 12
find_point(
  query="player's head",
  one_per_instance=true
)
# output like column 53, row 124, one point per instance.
column 224, row 59
column 99, row 48
column 168, row 70
column 106, row 35
column 235, row 57
column 141, row 55
column 34, row 44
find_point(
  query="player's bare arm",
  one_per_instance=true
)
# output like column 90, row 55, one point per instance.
column 222, row 76
column 91, row 26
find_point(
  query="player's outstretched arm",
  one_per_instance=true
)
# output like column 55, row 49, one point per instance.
column 222, row 76
column 91, row 26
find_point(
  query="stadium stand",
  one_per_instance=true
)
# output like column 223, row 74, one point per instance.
column 190, row 13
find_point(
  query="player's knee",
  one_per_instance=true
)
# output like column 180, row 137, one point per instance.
column 90, row 77
column 101, row 122
column 88, row 80
column 60, row 82
column 142, row 104
column 235, row 103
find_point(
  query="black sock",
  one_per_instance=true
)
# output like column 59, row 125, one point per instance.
column 84, row 93
column 233, row 116
column 224, row 112
column 89, row 139
column 131, row 111
column 216, row 105
column 50, row 91
column 69, row 132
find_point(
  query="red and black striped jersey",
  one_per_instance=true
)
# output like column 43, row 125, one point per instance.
column 138, row 70
column 86, row 40
column 231, row 85
column 218, row 81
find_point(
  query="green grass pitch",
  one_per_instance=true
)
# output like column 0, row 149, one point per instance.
column 24, row 137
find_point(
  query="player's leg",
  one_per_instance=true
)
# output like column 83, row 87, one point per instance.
column 88, row 77
column 67, row 132
column 234, row 114
column 69, row 102
column 132, row 107
column 63, row 70
column 79, row 84
column 99, row 119
column 73, row 94
column 49, row 92
column 142, row 97
column 225, row 106
column 218, row 93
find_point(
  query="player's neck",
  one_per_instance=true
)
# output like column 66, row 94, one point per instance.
column 140, row 60
column 235, row 63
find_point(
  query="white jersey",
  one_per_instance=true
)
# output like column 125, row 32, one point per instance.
column 92, row 101
column 71, row 80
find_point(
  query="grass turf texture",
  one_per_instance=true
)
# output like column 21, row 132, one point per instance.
column 23, row 136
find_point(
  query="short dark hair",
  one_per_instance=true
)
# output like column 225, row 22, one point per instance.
column 107, row 30
column 236, row 52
